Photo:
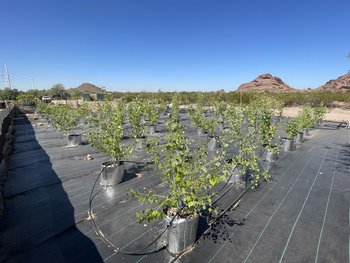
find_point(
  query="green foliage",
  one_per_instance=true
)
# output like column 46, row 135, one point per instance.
column 152, row 113
column 319, row 111
column 58, row 91
column 188, row 178
column 63, row 117
column 305, row 117
column 107, row 130
column 136, row 110
column 9, row 94
column 292, row 128
column 26, row 99
column 83, row 110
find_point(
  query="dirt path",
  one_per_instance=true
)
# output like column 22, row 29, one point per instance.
column 333, row 114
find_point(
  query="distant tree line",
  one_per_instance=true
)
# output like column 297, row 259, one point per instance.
column 58, row 91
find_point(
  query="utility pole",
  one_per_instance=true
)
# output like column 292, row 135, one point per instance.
column 7, row 78
column 33, row 86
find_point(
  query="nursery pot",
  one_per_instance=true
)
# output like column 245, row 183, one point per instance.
column 74, row 139
column 151, row 129
column 288, row 145
column 140, row 143
column 112, row 173
column 299, row 138
column 238, row 177
column 271, row 156
column 181, row 234
column 306, row 132
column 213, row 144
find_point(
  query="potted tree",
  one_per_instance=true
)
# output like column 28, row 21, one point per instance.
column 188, row 181
column 265, row 107
column 65, row 117
column 136, row 117
column 319, row 113
column 242, row 133
column 220, row 107
column 152, row 116
column 306, row 119
column 106, row 135
column 292, row 129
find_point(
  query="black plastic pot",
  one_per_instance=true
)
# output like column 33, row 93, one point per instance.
column 112, row 173
column 181, row 234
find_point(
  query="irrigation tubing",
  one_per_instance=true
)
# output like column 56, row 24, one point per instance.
column 106, row 240
column 138, row 251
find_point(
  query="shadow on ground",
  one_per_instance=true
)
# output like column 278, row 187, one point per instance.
column 40, row 217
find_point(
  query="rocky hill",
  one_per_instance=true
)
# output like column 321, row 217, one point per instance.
column 86, row 88
column 340, row 84
column 266, row 82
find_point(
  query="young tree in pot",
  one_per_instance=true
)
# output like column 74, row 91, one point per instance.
column 264, row 107
column 136, row 117
column 220, row 107
column 197, row 118
column 83, row 111
column 106, row 135
column 319, row 113
column 188, row 180
column 64, row 117
column 306, row 119
column 292, row 129
column 209, row 126
column 44, row 110
column 152, row 116
column 243, row 135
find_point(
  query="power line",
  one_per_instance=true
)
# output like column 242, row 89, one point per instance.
column 7, row 78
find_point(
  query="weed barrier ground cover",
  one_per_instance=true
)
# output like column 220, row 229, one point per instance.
column 300, row 215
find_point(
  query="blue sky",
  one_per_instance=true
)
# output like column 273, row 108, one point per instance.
column 189, row 45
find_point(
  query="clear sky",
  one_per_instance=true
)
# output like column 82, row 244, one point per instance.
column 190, row 45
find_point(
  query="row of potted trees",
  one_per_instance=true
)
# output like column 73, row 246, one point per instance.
column 190, row 177
column 298, row 127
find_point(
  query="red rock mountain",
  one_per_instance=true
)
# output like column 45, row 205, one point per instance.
column 340, row 84
column 265, row 82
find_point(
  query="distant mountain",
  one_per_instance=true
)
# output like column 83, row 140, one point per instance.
column 340, row 84
column 86, row 88
column 266, row 82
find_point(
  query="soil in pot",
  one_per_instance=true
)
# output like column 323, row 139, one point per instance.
column 74, row 140
column 112, row 173
column 181, row 234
